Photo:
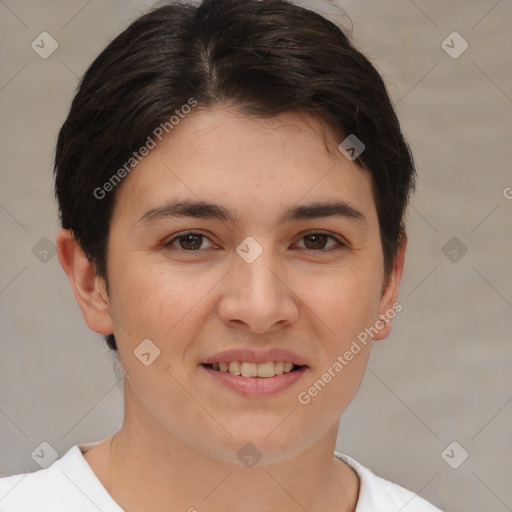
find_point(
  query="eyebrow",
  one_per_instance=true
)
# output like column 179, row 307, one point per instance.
column 206, row 210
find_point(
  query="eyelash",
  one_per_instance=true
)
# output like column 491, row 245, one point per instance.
column 340, row 243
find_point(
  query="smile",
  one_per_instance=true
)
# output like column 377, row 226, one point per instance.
column 254, row 379
column 247, row 369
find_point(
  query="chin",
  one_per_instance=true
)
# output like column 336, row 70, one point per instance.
column 268, row 443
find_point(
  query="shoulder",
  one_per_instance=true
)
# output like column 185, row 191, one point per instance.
column 67, row 484
column 379, row 495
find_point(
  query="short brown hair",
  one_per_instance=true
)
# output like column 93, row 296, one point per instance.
column 261, row 58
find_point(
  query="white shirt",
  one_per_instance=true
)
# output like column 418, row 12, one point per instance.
column 70, row 485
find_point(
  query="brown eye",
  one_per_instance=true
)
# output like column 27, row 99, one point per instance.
column 187, row 242
column 192, row 242
column 317, row 241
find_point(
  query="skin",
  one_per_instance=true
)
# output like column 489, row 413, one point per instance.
column 177, row 446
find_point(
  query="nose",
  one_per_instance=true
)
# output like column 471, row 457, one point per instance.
column 259, row 296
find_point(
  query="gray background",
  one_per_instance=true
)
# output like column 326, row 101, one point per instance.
column 444, row 373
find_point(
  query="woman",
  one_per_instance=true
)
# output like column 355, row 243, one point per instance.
column 232, row 182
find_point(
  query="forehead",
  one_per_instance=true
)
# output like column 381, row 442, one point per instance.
column 217, row 154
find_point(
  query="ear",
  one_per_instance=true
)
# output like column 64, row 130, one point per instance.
column 89, row 289
column 388, row 306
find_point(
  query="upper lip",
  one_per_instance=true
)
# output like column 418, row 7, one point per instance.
column 253, row 356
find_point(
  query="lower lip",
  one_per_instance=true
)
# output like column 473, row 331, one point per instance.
column 257, row 386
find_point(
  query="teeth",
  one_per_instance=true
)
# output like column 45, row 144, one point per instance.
column 249, row 369
column 268, row 369
column 234, row 368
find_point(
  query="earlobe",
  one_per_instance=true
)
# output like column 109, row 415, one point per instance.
column 88, row 287
column 389, row 305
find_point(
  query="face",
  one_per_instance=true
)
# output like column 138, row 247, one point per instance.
column 260, row 274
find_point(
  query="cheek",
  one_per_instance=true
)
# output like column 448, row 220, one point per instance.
column 157, row 306
column 347, row 300
column 165, row 305
column 147, row 303
column 346, row 306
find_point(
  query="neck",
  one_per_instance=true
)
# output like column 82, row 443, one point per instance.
column 152, row 470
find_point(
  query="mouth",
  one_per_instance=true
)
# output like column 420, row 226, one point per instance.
column 246, row 369
column 255, row 373
column 254, row 380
